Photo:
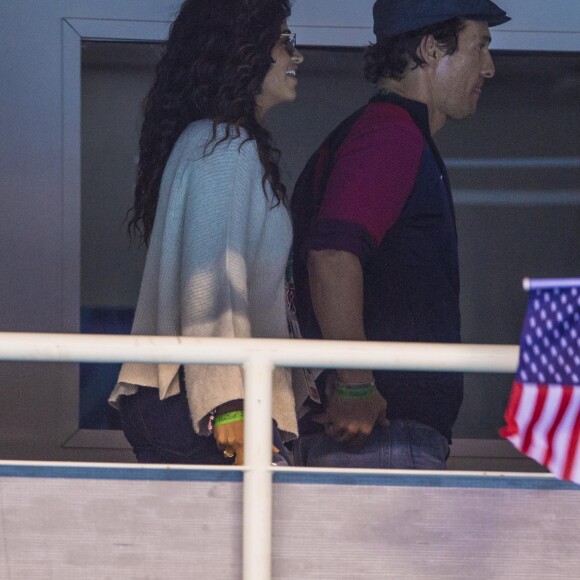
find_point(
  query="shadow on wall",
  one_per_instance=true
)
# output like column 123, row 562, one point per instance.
column 98, row 379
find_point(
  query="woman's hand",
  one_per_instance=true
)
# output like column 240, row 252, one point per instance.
column 230, row 440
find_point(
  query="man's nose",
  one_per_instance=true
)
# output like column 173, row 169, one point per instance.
column 488, row 69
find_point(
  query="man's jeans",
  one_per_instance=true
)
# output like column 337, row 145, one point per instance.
column 404, row 444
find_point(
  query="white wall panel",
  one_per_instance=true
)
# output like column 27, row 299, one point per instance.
column 68, row 522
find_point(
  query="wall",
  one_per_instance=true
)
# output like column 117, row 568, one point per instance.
column 400, row 525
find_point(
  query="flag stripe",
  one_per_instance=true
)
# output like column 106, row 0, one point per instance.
column 539, row 443
column 511, row 427
column 563, row 434
column 541, row 395
column 573, row 448
column 564, row 403
column 524, row 414
column 575, row 475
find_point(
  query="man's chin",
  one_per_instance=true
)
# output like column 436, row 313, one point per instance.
column 457, row 116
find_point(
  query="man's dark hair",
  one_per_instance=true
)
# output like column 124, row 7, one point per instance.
column 390, row 57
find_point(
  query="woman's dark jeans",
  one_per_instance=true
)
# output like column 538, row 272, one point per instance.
column 161, row 431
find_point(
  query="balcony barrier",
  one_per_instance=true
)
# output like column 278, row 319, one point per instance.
column 258, row 357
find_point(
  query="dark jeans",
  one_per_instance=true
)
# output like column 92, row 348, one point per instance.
column 404, row 444
column 161, row 431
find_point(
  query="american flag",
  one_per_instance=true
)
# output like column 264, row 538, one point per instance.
column 543, row 414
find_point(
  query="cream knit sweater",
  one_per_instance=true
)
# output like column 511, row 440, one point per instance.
column 215, row 267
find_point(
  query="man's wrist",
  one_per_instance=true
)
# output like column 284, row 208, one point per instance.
column 355, row 391
column 354, row 376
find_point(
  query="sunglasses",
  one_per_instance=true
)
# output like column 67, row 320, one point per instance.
column 289, row 39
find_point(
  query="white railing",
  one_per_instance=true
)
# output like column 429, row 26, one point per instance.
column 258, row 357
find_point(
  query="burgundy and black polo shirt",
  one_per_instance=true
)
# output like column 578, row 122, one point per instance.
column 378, row 188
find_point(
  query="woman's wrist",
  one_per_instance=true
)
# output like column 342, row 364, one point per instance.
column 229, row 406
column 225, row 413
column 226, row 418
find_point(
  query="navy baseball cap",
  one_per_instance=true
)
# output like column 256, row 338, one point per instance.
column 393, row 17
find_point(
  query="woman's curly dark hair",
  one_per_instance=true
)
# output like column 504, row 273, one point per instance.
column 390, row 57
column 216, row 58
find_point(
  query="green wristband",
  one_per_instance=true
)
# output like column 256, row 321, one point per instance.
column 364, row 392
column 357, row 391
column 226, row 418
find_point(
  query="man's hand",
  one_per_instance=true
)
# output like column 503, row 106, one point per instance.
column 351, row 421
column 336, row 286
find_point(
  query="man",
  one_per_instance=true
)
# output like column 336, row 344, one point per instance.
column 375, row 242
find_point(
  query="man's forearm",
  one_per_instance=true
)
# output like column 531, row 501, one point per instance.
column 336, row 287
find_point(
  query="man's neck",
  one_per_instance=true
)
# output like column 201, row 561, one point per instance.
column 414, row 87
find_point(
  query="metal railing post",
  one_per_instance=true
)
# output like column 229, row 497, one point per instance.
column 257, row 504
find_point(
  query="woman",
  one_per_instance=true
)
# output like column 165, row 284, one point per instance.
column 210, row 205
